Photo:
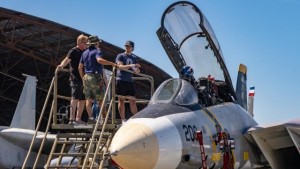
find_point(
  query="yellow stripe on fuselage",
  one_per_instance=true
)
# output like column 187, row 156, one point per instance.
column 246, row 155
column 215, row 120
column 214, row 146
column 213, row 117
column 216, row 157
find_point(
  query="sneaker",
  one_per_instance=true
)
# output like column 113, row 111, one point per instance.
column 121, row 124
column 101, row 120
column 79, row 122
column 71, row 122
column 91, row 121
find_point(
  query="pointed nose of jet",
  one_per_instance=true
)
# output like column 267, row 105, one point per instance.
column 135, row 144
column 147, row 144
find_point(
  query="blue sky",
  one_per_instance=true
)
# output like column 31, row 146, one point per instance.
column 262, row 34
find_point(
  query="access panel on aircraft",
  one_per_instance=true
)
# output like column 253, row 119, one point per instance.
column 188, row 39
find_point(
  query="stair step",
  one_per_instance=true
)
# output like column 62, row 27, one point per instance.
column 79, row 142
column 75, row 154
column 82, row 127
column 70, row 166
column 82, row 135
column 68, row 136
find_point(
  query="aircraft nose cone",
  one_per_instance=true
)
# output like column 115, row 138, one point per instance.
column 147, row 144
column 135, row 146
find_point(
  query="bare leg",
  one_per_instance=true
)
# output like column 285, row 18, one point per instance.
column 73, row 108
column 121, row 107
column 133, row 108
column 104, row 108
column 80, row 107
column 88, row 106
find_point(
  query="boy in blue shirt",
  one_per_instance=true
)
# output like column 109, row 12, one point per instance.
column 125, row 85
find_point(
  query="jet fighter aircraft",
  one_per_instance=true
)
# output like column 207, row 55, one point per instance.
column 15, row 139
column 201, row 123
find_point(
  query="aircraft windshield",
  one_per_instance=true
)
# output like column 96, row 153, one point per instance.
column 182, row 23
column 178, row 91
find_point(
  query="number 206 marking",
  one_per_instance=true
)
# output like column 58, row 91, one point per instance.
column 190, row 132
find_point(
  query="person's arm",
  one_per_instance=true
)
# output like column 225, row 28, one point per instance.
column 80, row 69
column 105, row 62
column 121, row 66
column 136, row 68
column 126, row 67
column 64, row 63
column 104, row 77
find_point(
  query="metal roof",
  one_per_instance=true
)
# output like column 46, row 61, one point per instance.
column 35, row 46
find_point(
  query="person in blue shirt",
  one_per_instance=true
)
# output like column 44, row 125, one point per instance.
column 125, row 85
column 91, row 72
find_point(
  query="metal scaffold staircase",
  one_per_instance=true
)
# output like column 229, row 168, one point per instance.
column 80, row 146
column 76, row 147
column 89, row 147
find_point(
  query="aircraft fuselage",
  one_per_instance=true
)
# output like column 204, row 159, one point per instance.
column 164, row 136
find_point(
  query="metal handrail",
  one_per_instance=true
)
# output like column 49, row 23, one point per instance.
column 44, row 138
column 53, row 112
column 55, row 96
column 97, row 123
column 111, row 80
column 39, row 123
column 143, row 77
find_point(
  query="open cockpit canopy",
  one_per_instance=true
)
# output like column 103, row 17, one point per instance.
column 188, row 39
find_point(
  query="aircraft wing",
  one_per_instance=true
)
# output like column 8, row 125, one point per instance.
column 279, row 143
column 23, row 137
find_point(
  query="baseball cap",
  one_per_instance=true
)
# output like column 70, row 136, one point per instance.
column 93, row 40
column 129, row 43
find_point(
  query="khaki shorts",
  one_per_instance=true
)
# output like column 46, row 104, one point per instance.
column 93, row 86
